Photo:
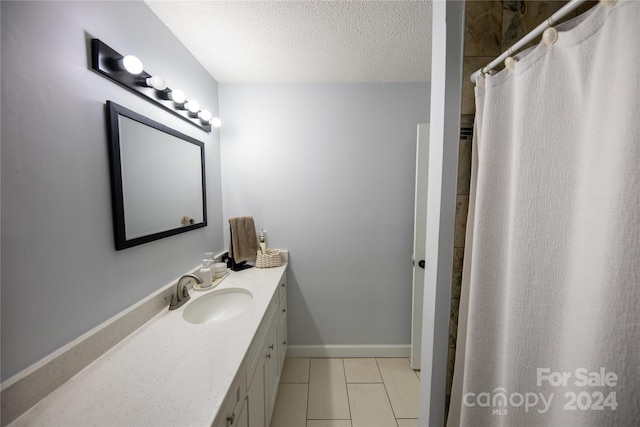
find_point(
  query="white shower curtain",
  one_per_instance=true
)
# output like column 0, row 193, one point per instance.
column 549, row 328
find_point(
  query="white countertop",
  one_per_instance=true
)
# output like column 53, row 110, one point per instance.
column 167, row 373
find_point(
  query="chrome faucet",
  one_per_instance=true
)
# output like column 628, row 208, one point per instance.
column 182, row 292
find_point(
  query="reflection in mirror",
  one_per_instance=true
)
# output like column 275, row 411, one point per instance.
column 157, row 179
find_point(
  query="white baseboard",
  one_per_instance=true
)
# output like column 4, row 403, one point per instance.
column 349, row 350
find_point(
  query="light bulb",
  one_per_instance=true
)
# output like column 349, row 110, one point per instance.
column 215, row 122
column 132, row 64
column 193, row 106
column 178, row 96
column 156, row 82
column 205, row 115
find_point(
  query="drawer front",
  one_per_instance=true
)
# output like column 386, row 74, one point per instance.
column 255, row 349
column 282, row 308
column 282, row 340
column 230, row 414
column 282, row 326
column 282, row 288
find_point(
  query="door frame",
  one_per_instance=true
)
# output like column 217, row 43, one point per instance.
column 446, row 90
column 419, row 243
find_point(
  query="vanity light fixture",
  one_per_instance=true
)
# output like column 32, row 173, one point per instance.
column 128, row 71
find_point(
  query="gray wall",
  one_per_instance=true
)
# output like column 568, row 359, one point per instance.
column 328, row 170
column 60, row 273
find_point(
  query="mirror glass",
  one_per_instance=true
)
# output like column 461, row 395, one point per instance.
column 157, row 179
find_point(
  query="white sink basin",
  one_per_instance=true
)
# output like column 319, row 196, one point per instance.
column 218, row 306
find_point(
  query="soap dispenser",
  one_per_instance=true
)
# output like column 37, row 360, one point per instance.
column 205, row 273
column 262, row 240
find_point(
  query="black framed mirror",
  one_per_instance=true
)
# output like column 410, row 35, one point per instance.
column 157, row 179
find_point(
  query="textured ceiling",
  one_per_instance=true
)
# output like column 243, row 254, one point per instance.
column 304, row 41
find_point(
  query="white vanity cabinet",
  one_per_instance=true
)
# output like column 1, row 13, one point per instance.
column 264, row 361
column 251, row 399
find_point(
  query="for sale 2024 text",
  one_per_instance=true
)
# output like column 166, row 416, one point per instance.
column 597, row 400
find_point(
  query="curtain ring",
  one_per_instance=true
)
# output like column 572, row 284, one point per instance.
column 550, row 36
column 510, row 63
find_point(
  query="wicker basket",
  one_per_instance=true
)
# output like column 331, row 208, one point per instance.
column 270, row 259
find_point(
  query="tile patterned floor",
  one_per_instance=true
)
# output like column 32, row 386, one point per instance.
column 347, row 393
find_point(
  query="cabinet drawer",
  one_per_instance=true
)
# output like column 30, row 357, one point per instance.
column 282, row 325
column 231, row 412
column 282, row 288
column 255, row 349
column 282, row 308
column 282, row 340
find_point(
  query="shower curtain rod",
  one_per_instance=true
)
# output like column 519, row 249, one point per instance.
column 561, row 13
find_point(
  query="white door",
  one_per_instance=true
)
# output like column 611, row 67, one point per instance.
column 419, row 240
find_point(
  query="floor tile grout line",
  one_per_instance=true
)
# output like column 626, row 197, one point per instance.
column 306, row 412
column 386, row 392
column 344, row 371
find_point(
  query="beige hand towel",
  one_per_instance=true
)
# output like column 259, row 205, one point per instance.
column 244, row 243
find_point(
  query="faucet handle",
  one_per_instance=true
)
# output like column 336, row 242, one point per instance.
column 182, row 291
column 174, row 303
column 177, row 303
